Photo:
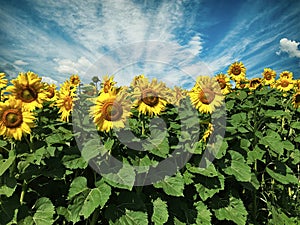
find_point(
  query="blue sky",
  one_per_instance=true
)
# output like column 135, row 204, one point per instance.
column 174, row 41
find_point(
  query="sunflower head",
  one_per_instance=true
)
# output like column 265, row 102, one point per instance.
column 107, row 84
column 206, row 94
column 111, row 110
column 51, row 92
column 286, row 74
column 297, row 85
column 150, row 98
column 15, row 121
column 254, row 83
column 224, row 82
column 28, row 88
column 296, row 100
column 176, row 95
column 137, row 79
column 65, row 102
column 237, row 71
column 208, row 132
column 74, row 80
column 284, row 84
column 242, row 84
column 3, row 81
column 268, row 76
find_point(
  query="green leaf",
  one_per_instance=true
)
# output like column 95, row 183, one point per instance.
column 74, row 162
column 7, row 185
column 239, row 118
column 244, row 144
column 160, row 212
column 209, row 171
column 172, row 185
column 235, row 212
column 273, row 140
column 91, row 149
column 44, row 212
column 95, row 198
column 288, row 145
column 131, row 218
column 280, row 218
column 209, row 186
column 256, row 154
column 297, row 139
column 78, row 185
column 282, row 173
column 6, row 163
column 238, row 168
column 203, row 214
column 2, row 143
column 157, row 144
column 295, row 125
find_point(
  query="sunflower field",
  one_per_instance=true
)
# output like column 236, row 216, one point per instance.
column 224, row 152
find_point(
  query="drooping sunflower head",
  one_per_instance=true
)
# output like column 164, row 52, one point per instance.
column 254, row 83
column 296, row 100
column 206, row 95
column 284, row 84
column 111, row 110
column 224, row 82
column 3, row 81
column 150, row 98
column 237, row 71
column 15, row 121
column 28, row 88
column 208, row 132
column 107, row 84
column 286, row 74
column 74, row 80
column 268, row 76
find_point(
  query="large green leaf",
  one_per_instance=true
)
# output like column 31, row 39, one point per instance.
column 160, row 212
column 44, row 212
column 238, row 168
column 209, row 186
column 6, row 163
column 78, row 185
column 283, row 174
column 235, row 212
column 203, row 214
column 172, row 185
column 131, row 218
column 7, row 185
column 74, row 162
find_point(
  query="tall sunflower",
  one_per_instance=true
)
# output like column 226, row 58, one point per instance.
column 150, row 98
column 65, row 103
column 286, row 74
column 284, row 84
column 107, row 84
column 224, row 83
column 206, row 95
column 254, row 83
column 176, row 95
column 237, row 71
column 3, row 81
column 15, row 120
column 28, row 88
column 296, row 100
column 242, row 84
column 74, row 80
column 51, row 92
column 297, row 85
column 268, row 76
column 111, row 110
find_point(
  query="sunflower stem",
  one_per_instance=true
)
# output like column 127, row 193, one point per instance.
column 24, row 189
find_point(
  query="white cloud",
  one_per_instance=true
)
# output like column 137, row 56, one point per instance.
column 20, row 62
column 49, row 80
column 68, row 67
column 195, row 45
column 290, row 47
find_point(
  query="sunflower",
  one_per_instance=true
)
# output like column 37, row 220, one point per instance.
column 15, row 120
column 74, row 80
column 177, row 94
column 296, row 100
column 51, row 92
column 28, row 88
column 206, row 94
column 237, row 71
column 107, row 84
column 297, row 85
column 111, row 110
column 254, row 83
column 208, row 132
column 150, row 98
column 3, row 81
column 65, row 103
column 242, row 84
column 286, row 74
column 268, row 76
column 136, row 79
column 224, row 83
column 284, row 84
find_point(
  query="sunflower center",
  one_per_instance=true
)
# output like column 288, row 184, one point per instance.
column 28, row 95
column 236, row 70
column 12, row 118
column 51, row 92
column 106, row 87
column 112, row 111
column 222, row 83
column 268, row 76
column 297, row 99
column 206, row 96
column 149, row 97
column 68, row 103
column 254, row 83
column 285, row 83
